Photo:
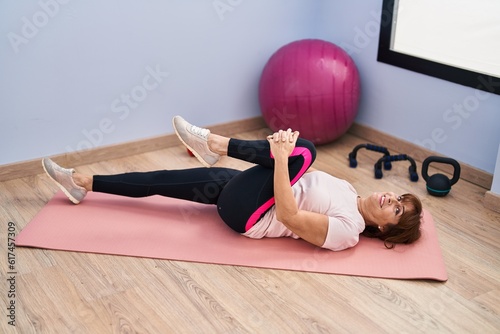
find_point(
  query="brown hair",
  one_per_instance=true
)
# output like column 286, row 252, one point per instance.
column 406, row 231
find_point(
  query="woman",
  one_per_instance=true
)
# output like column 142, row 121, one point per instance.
column 281, row 196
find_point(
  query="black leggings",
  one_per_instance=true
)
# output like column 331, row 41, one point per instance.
column 242, row 197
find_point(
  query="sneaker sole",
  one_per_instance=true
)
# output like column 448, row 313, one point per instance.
column 71, row 198
column 196, row 154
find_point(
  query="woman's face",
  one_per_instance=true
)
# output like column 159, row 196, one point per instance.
column 385, row 208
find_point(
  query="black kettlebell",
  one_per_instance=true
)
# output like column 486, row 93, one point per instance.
column 439, row 184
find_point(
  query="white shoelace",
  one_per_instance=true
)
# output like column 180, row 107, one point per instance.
column 200, row 131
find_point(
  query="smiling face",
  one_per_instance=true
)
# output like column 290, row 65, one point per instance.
column 381, row 209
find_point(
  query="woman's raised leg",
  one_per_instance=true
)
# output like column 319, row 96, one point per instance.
column 249, row 195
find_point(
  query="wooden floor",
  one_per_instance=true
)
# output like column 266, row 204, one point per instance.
column 65, row 292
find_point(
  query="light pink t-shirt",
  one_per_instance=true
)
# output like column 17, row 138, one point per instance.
column 322, row 193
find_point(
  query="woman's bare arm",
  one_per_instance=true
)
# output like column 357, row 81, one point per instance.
column 310, row 226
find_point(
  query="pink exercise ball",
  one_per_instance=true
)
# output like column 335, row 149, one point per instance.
column 311, row 86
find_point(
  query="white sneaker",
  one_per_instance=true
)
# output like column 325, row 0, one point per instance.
column 196, row 140
column 63, row 177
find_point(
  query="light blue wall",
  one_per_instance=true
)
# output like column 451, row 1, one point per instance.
column 495, row 187
column 77, row 74
column 64, row 85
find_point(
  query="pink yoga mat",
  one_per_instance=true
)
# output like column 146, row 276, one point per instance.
column 165, row 228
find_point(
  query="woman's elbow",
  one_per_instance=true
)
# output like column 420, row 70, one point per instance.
column 287, row 219
column 280, row 217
